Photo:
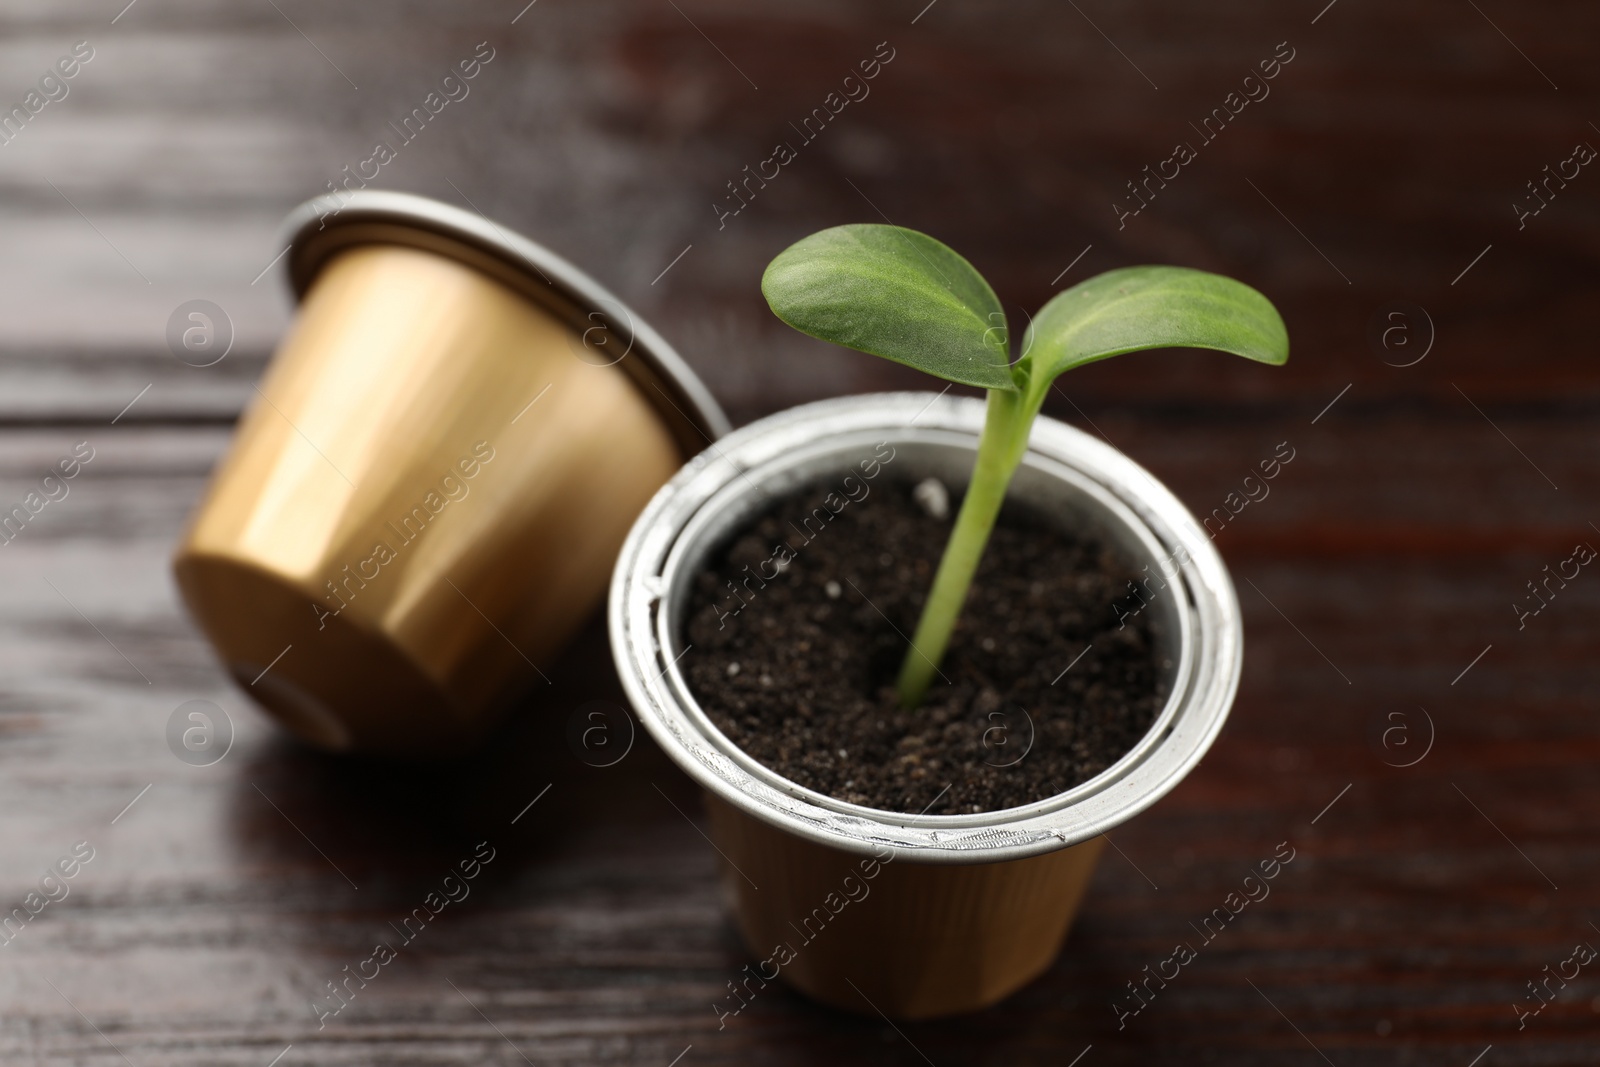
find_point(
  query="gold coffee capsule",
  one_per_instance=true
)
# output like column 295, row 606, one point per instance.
column 893, row 914
column 426, row 497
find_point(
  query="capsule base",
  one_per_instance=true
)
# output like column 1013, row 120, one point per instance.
column 908, row 940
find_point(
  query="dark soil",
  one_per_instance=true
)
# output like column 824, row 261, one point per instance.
column 798, row 668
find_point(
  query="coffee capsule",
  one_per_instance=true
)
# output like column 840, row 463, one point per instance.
column 425, row 498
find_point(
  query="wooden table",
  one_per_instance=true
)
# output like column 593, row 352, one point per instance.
column 1377, row 579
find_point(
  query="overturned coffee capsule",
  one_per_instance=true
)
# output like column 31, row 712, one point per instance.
column 427, row 495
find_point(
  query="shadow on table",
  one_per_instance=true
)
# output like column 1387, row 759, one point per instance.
column 561, row 766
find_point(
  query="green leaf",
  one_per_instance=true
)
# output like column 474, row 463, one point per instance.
column 1138, row 308
column 895, row 293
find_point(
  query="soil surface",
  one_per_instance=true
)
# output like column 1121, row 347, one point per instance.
column 798, row 666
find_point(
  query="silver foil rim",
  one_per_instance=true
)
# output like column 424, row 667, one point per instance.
column 648, row 578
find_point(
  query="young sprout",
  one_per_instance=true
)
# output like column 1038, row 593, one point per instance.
column 902, row 295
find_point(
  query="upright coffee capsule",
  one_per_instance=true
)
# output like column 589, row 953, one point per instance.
column 427, row 495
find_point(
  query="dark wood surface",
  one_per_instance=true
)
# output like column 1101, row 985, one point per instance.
column 1385, row 561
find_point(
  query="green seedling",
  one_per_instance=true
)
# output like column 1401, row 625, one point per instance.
column 902, row 295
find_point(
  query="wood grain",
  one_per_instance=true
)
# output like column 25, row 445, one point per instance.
column 1386, row 558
